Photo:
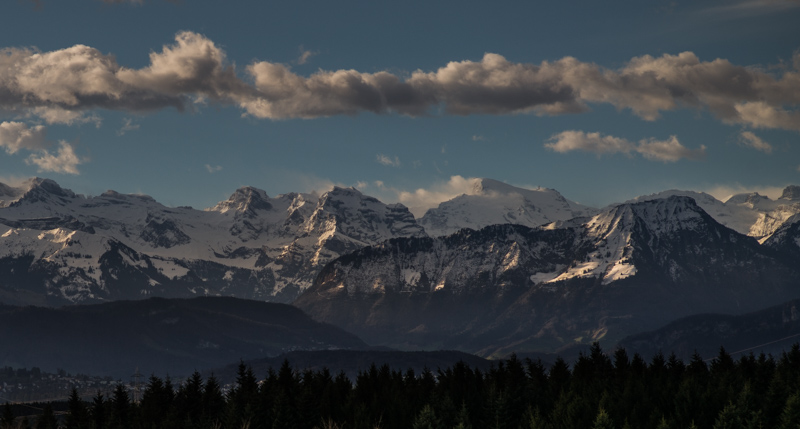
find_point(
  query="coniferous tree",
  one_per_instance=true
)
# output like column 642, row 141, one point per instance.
column 48, row 419
column 602, row 420
column 729, row 418
column 663, row 424
column 463, row 421
column 213, row 402
column 535, row 420
column 7, row 421
column 426, row 419
column 99, row 411
column 790, row 417
column 120, row 408
column 78, row 417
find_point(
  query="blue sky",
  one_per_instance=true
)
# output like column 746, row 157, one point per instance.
column 188, row 100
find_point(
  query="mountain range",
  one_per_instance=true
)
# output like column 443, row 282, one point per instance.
column 505, row 288
column 496, row 270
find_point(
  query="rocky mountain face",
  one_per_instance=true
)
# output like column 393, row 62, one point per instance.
column 507, row 287
column 58, row 247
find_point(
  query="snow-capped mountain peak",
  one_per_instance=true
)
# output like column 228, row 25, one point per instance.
column 246, row 201
column 492, row 202
column 791, row 192
column 249, row 245
column 44, row 190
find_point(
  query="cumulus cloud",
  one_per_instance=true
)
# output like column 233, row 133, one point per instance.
column 64, row 161
column 759, row 114
column 81, row 78
column 669, row 150
column 17, row 135
column 388, row 160
column 420, row 200
column 194, row 68
column 747, row 138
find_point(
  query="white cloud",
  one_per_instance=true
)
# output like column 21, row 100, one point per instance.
column 17, row 135
column 751, row 140
column 567, row 141
column 64, row 161
column 723, row 192
column 759, row 114
column 421, row 199
column 127, row 125
column 478, row 138
column 305, row 55
column 388, row 160
column 669, row 150
column 213, row 168
column 57, row 115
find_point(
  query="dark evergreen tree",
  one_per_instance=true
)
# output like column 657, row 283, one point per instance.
column 426, row 419
column 729, row 418
column 213, row 402
column 120, row 408
column 463, row 420
column 603, row 420
column 78, row 417
column 790, row 417
column 7, row 421
column 48, row 419
column 189, row 401
column 99, row 411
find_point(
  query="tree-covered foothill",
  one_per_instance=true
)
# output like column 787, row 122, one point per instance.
column 597, row 391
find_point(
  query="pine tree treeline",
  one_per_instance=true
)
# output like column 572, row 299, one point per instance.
column 598, row 391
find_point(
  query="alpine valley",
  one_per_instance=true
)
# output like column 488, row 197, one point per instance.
column 498, row 270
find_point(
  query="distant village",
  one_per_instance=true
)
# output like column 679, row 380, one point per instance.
column 34, row 385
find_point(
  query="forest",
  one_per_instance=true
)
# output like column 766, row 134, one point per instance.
column 598, row 390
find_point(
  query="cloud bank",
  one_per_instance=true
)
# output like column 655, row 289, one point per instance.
column 669, row 150
column 81, row 78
